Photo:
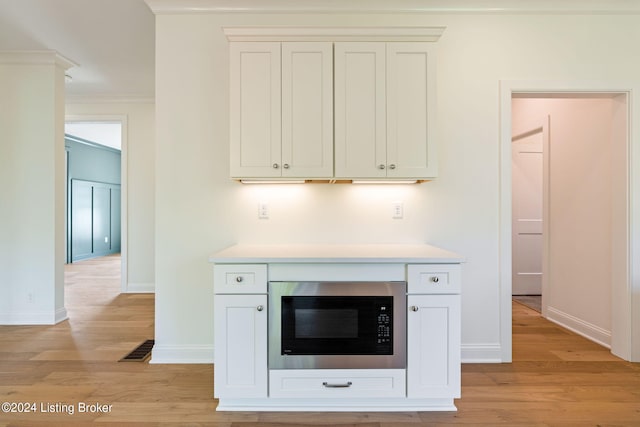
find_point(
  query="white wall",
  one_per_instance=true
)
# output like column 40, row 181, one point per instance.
column 32, row 197
column 139, row 155
column 199, row 210
column 581, row 217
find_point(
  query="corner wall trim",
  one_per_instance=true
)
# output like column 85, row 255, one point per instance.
column 141, row 288
column 61, row 315
column 171, row 354
column 581, row 327
column 41, row 317
column 481, row 353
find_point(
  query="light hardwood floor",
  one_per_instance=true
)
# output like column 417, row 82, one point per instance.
column 557, row 378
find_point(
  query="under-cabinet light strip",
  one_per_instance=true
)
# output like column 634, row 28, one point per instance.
column 259, row 181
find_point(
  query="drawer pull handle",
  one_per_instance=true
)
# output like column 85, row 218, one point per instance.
column 343, row 385
column 435, row 279
column 260, row 308
column 239, row 279
column 414, row 308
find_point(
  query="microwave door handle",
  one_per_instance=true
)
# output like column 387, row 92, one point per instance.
column 343, row 385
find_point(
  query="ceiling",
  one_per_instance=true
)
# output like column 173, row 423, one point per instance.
column 111, row 41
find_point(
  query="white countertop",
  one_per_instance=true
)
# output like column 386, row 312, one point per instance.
column 323, row 253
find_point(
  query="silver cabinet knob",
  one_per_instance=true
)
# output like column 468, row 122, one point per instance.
column 239, row 279
column 381, row 167
column 435, row 279
column 392, row 166
column 260, row 308
column 286, row 166
column 413, row 308
column 276, row 166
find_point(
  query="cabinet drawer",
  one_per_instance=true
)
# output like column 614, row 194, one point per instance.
column 240, row 278
column 337, row 383
column 433, row 279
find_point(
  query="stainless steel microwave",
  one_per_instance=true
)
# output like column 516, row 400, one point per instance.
column 337, row 325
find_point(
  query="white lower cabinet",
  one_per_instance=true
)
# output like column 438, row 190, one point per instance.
column 240, row 368
column 243, row 381
column 433, row 346
column 337, row 383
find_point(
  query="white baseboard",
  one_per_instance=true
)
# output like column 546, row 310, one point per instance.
column 481, row 353
column 182, row 354
column 61, row 315
column 140, row 288
column 42, row 317
column 580, row 327
column 471, row 353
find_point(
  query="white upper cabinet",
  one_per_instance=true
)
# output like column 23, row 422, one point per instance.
column 281, row 109
column 360, row 110
column 384, row 110
column 255, row 127
column 307, row 110
column 353, row 103
column 411, row 150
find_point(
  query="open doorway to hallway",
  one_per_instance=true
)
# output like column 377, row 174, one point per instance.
column 96, row 185
column 570, row 198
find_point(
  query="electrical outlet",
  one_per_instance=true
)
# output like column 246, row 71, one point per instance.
column 263, row 210
column 106, row 239
column 30, row 297
column 397, row 210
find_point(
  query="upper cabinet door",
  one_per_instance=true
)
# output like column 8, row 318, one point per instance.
column 307, row 110
column 360, row 113
column 255, row 118
column 411, row 151
column 285, row 95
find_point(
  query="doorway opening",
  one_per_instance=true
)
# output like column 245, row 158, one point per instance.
column 570, row 241
column 567, row 195
column 96, row 189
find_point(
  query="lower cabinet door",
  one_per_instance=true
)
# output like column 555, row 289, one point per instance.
column 240, row 365
column 433, row 346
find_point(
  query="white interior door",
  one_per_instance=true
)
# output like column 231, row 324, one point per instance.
column 528, row 209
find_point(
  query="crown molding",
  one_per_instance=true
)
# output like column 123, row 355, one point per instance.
column 160, row 7
column 36, row 57
column 336, row 34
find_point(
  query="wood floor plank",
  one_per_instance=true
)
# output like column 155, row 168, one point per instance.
column 557, row 378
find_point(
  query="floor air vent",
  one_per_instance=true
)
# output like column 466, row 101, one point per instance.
column 141, row 353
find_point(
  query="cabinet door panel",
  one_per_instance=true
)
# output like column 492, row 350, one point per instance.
column 240, row 367
column 360, row 121
column 255, row 126
column 410, row 110
column 307, row 109
column 433, row 346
